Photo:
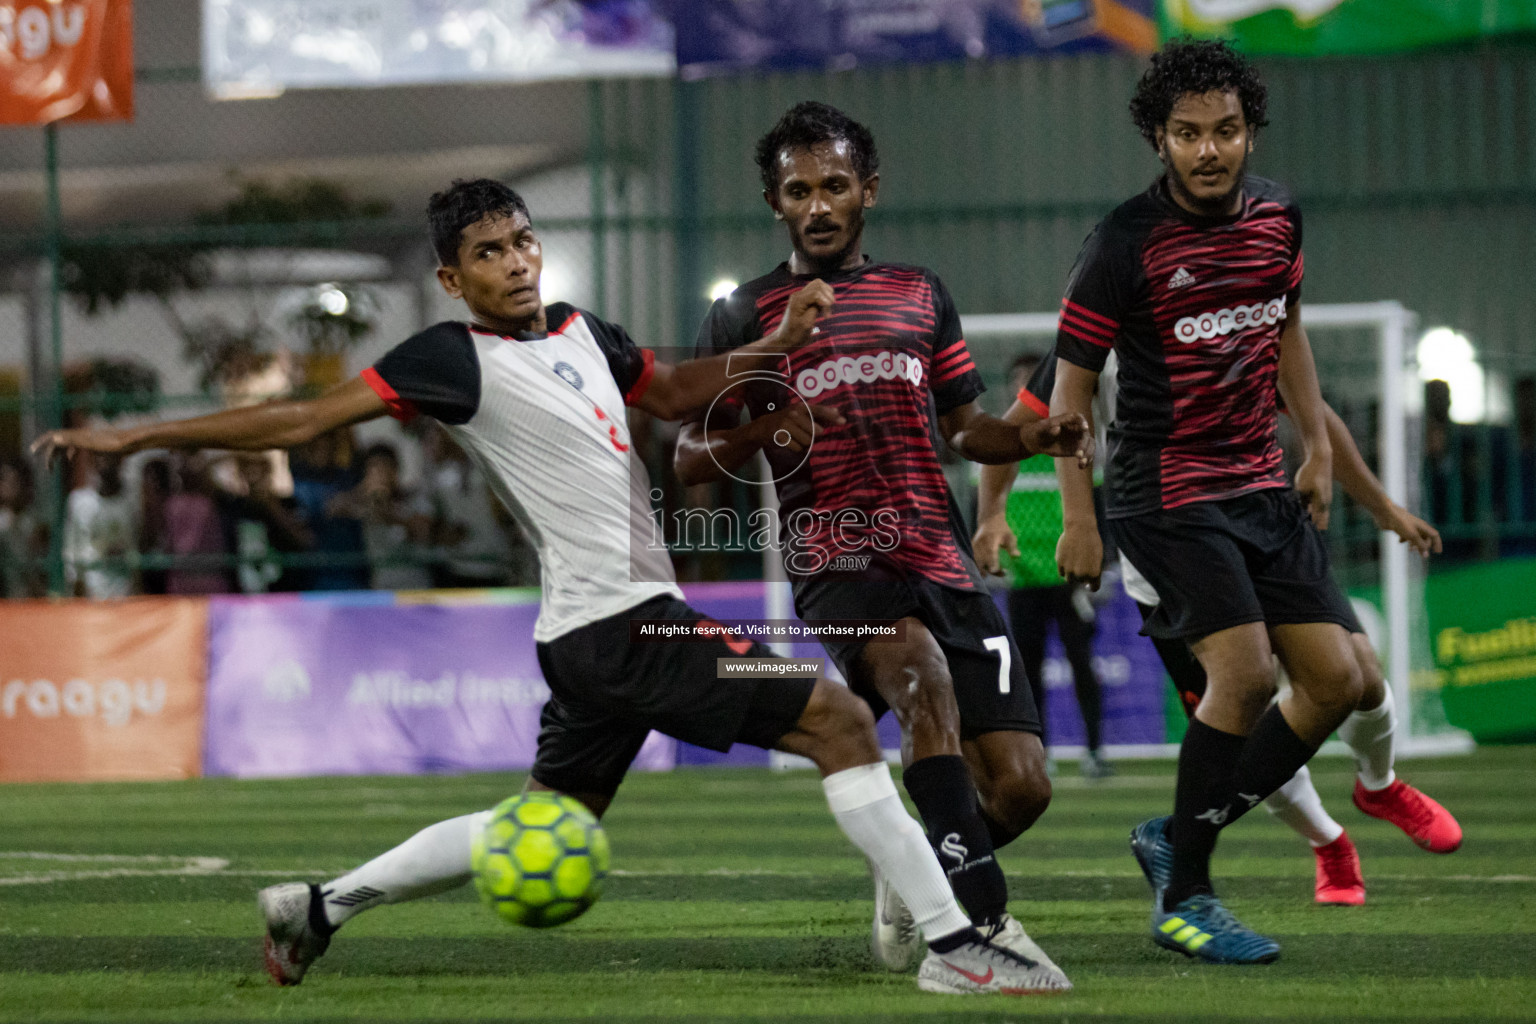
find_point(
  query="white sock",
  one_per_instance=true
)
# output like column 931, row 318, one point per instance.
column 865, row 804
column 1298, row 806
column 1369, row 735
column 433, row 860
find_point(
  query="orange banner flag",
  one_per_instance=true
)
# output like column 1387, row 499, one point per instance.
column 66, row 59
column 102, row 690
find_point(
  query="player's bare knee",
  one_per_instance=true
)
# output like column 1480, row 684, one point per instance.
column 838, row 729
column 1373, row 685
column 1245, row 693
column 1347, row 684
column 1018, row 799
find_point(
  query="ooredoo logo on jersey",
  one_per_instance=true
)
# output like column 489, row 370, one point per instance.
column 859, row 369
column 1206, row 326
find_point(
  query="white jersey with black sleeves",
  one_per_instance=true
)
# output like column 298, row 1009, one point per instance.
column 542, row 416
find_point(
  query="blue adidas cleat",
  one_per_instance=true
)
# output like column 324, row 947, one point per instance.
column 1154, row 851
column 1201, row 927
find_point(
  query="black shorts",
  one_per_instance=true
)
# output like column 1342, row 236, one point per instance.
column 607, row 694
column 991, row 687
column 1188, row 675
column 1219, row 564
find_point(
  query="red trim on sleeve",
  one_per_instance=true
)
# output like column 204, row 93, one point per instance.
column 1086, row 325
column 954, row 370
column 1089, row 314
column 637, row 390
column 402, row 409
column 1033, row 404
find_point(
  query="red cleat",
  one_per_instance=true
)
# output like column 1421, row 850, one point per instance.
column 1425, row 822
column 1339, row 881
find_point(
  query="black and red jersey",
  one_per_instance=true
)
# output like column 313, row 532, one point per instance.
column 891, row 358
column 1194, row 308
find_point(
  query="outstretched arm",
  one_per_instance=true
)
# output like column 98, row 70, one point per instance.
column 707, row 451
column 1350, row 470
column 678, row 391
column 281, row 424
column 982, row 437
column 992, row 531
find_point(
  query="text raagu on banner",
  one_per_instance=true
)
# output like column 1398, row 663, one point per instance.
column 65, row 59
column 99, row 691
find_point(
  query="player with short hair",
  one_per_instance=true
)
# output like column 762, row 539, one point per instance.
column 1369, row 728
column 1195, row 284
column 536, row 396
column 870, row 529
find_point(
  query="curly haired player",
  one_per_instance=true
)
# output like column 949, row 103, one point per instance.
column 1195, row 285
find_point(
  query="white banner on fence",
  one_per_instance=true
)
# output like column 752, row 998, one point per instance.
column 255, row 48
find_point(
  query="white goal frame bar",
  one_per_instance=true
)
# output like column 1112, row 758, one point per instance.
column 1392, row 324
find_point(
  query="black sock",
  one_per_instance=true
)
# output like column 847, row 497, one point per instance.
column 945, row 795
column 1271, row 756
column 1092, row 707
column 1000, row 834
column 1201, row 804
column 955, row 940
column 317, row 919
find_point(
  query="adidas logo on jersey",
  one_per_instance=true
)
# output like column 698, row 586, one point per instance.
column 1181, row 278
column 1224, row 321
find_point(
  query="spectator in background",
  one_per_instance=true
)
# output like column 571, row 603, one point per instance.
column 1514, row 475
column 154, row 543
column 263, row 525
column 99, row 532
column 23, row 537
column 323, row 471
column 397, row 523
column 473, row 546
column 195, row 532
column 1450, row 468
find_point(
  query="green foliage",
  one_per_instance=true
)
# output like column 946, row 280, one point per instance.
column 294, row 202
column 328, row 331
column 101, row 277
column 112, row 387
column 222, row 351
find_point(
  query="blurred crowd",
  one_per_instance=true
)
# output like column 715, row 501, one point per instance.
column 1479, row 481
column 334, row 515
column 327, row 516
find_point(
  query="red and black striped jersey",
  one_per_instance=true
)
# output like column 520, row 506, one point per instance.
column 1194, row 308
column 891, row 358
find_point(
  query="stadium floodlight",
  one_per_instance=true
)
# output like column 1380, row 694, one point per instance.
column 1448, row 355
column 721, row 288
column 333, row 300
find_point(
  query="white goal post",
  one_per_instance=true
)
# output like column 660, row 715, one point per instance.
column 1392, row 325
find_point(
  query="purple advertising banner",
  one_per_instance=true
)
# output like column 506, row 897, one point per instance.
column 1130, row 678
column 733, row 36
column 348, row 687
column 357, row 684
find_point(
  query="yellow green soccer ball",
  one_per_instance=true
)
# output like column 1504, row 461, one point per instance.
column 541, row 859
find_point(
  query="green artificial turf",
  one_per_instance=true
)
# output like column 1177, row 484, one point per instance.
column 735, row 898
